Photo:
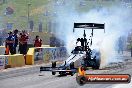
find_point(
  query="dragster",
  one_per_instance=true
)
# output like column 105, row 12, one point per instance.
column 81, row 55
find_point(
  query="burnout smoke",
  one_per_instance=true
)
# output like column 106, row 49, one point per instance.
column 117, row 23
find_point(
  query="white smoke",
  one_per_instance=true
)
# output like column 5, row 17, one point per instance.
column 117, row 23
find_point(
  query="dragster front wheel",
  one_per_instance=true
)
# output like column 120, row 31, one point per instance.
column 53, row 73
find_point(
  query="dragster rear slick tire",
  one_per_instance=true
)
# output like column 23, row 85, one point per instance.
column 95, row 65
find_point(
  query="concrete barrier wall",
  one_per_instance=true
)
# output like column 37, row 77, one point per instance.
column 30, row 56
column 49, row 54
column 2, row 63
column 16, row 60
column 34, row 56
column 45, row 54
column 2, row 50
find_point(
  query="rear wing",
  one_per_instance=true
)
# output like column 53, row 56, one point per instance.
column 89, row 26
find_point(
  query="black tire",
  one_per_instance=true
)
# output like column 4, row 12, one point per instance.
column 72, row 65
column 72, row 73
column 98, row 61
column 81, row 80
column 96, row 64
column 53, row 64
column 53, row 73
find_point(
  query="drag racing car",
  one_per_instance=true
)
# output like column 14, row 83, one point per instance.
column 82, row 55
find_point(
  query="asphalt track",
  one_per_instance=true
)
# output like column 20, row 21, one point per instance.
column 46, row 80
